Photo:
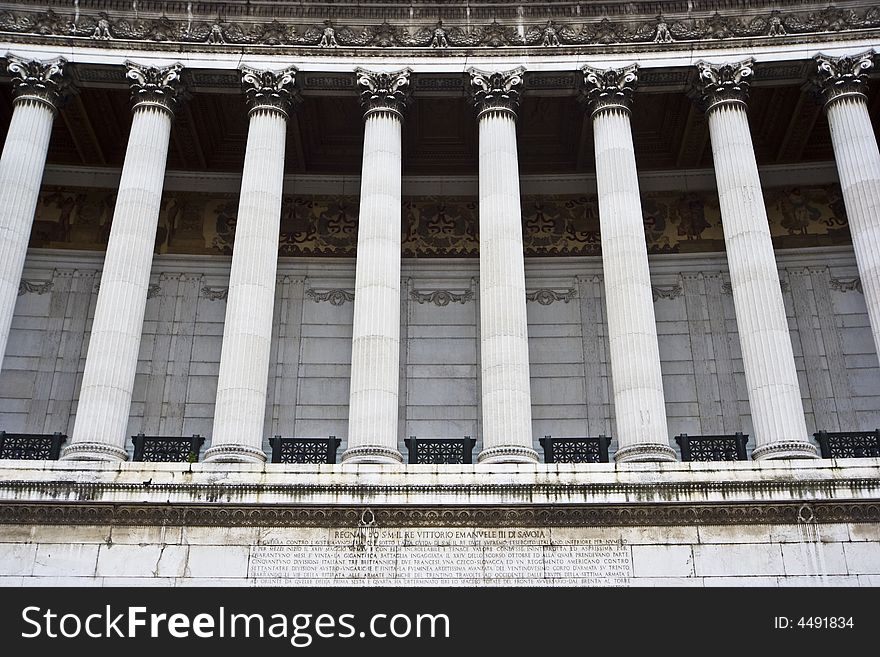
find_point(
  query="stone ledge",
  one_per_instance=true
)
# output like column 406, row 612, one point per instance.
column 75, row 490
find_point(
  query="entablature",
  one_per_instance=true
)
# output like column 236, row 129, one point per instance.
column 437, row 35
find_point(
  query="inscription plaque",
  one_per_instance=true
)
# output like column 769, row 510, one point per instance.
column 442, row 557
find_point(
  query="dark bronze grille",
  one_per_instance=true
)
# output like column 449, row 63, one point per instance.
column 587, row 449
column 36, row 446
column 722, row 447
column 167, row 449
column 440, row 450
column 304, row 450
column 849, row 444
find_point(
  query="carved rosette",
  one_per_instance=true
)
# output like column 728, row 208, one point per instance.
column 384, row 92
column 496, row 92
column 152, row 86
column 843, row 77
column 39, row 82
column 610, row 89
column 725, row 84
column 273, row 91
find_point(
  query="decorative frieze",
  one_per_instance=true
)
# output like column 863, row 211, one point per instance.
column 269, row 90
column 42, row 82
column 296, row 29
column 725, row 83
column 839, row 77
column 623, row 515
column 441, row 297
column 328, row 38
column 34, row 287
column 499, row 91
column 847, row 284
column 666, row 291
column 546, row 296
column 154, row 86
column 214, row 293
column 381, row 91
column 335, row 297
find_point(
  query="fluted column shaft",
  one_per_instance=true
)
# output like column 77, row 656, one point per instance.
column 105, row 397
column 858, row 167
column 375, row 346
column 240, row 407
column 639, row 403
column 21, row 172
column 768, row 360
column 504, row 344
column 37, row 86
column 247, row 332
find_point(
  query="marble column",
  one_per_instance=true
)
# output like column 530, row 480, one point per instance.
column 102, row 413
column 37, row 88
column 639, row 404
column 780, row 430
column 247, row 333
column 843, row 82
column 375, row 347
column 504, row 343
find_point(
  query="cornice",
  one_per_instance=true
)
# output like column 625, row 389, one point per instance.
column 224, row 492
column 432, row 29
column 210, row 484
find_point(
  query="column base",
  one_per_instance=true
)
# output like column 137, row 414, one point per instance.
column 234, row 454
column 371, row 454
column 90, row 451
column 789, row 449
column 508, row 454
column 645, row 452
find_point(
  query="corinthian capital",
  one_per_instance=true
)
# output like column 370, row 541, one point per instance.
column 380, row 91
column 609, row 89
column 723, row 84
column 841, row 77
column 270, row 90
column 36, row 81
column 498, row 91
column 157, row 87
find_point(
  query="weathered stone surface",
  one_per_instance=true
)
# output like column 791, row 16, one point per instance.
column 741, row 559
column 372, row 525
column 65, row 560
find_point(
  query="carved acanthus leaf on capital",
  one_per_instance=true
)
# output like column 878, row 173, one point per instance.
column 840, row 77
column 272, row 90
column 722, row 84
column 496, row 91
column 608, row 89
column 384, row 91
column 155, row 86
column 44, row 82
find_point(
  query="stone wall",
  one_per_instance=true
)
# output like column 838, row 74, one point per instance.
column 701, row 524
column 845, row 554
column 439, row 394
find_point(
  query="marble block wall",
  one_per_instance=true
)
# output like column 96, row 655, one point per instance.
column 839, row 554
column 309, row 372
